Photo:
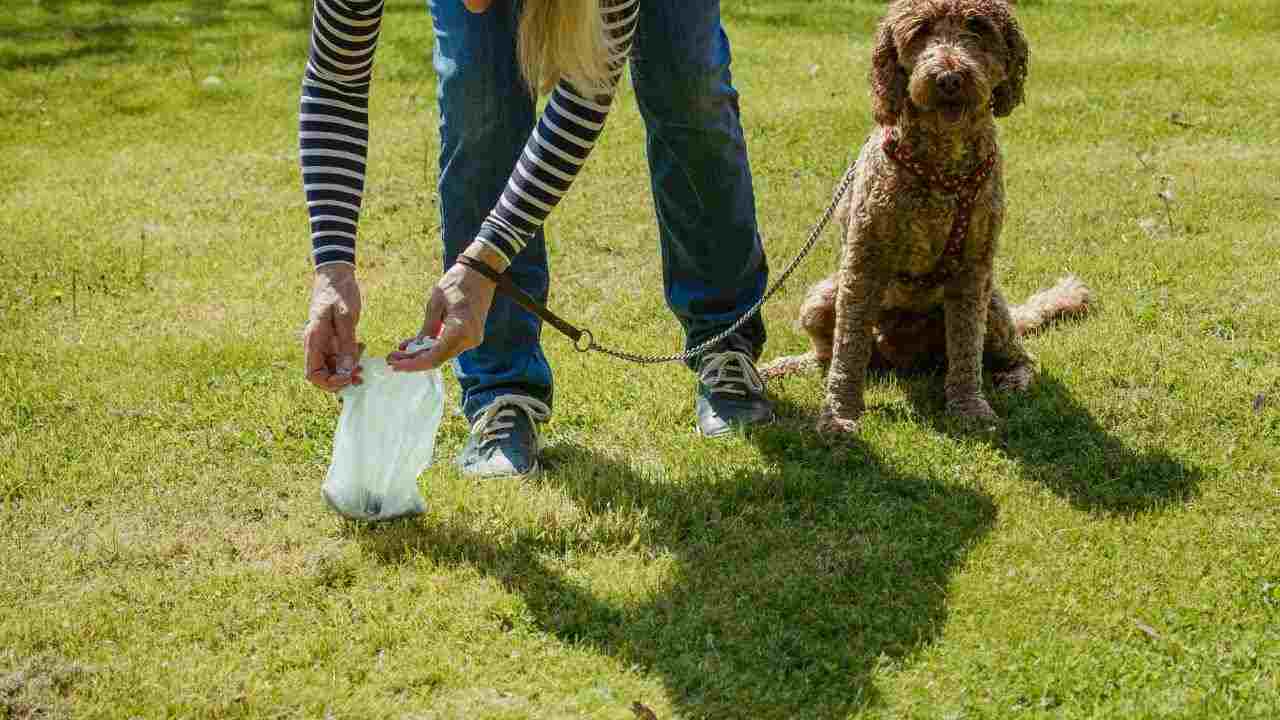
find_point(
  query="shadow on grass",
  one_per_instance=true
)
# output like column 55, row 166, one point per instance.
column 64, row 32
column 1060, row 444
column 788, row 590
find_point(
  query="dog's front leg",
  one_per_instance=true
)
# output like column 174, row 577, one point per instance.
column 860, row 286
column 965, row 305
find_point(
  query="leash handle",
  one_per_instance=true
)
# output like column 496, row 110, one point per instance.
column 526, row 301
column 507, row 287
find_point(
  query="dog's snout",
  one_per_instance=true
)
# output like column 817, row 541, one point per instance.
column 950, row 83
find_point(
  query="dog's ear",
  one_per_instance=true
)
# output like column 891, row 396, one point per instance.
column 1009, row 94
column 888, row 81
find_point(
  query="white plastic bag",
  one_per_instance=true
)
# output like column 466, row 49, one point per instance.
column 386, row 434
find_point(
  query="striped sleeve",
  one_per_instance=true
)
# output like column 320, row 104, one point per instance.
column 559, row 146
column 333, row 133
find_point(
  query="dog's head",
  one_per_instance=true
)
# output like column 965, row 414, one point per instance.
column 952, row 58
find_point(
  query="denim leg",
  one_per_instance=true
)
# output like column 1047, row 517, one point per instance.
column 486, row 116
column 714, row 267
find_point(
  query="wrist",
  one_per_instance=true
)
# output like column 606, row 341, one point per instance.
column 486, row 254
column 473, row 269
column 335, row 271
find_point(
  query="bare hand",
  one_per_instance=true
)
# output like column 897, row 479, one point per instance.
column 477, row 6
column 329, row 340
column 455, row 317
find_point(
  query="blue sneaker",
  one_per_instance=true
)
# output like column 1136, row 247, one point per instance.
column 504, row 438
column 730, row 394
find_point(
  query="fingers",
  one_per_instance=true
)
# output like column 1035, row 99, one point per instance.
column 404, row 352
column 357, row 371
column 347, row 348
column 403, row 361
column 324, row 364
column 332, row 353
column 434, row 317
column 455, row 316
column 316, row 342
column 344, row 368
column 452, row 341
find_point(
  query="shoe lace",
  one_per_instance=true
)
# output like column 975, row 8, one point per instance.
column 731, row 373
column 498, row 419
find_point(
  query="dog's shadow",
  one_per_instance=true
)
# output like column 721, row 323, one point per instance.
column 786, row 589
column 1058, row 442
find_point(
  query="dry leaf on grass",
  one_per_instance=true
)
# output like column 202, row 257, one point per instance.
column 642, row 711
column 1148, row 630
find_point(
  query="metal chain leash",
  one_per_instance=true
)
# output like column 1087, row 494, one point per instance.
column 812, row 242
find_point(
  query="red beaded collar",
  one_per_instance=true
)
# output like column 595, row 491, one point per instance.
column 965, row 188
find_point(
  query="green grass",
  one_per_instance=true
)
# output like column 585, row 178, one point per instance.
column 163, row 552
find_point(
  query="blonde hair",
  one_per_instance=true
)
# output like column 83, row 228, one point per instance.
column 563, row 40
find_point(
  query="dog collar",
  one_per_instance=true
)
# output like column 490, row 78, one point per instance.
column 965, row 188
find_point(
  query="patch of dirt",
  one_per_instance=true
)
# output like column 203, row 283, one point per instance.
column 234, row 542
column 210, row 313
column 477, row 702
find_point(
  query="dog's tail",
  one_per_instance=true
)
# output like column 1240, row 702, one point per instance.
column 1069, row 298
column 790, row 365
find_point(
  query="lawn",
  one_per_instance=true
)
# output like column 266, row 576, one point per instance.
column 1111, row 552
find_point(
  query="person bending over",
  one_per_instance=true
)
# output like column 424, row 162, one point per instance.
column 501, row 174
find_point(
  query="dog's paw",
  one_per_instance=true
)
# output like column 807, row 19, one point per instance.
column 974, row 408
column 831, row 423
column 1015, row 379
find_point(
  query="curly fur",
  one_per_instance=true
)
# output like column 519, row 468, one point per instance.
column 909, row 24
column 916, row 341
column 1069, row 297
column 942, row 71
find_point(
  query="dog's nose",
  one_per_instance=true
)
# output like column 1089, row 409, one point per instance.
column 949, row 83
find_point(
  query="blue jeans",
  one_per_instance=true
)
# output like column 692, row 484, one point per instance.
column 714, row 266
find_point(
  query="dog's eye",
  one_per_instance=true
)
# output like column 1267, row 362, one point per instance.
column 921, row 30
column 978, row 26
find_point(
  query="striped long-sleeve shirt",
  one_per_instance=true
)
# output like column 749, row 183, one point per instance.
column 334, row 132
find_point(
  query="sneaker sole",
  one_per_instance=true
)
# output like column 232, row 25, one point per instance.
column 735, row 428
column 532, row 472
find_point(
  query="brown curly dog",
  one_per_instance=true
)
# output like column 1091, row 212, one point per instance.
column 916, row 283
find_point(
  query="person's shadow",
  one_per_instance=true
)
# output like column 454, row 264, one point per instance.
column 788, row 589
column 790, row 586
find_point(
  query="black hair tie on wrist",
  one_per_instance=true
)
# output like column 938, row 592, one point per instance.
column 481, row 267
